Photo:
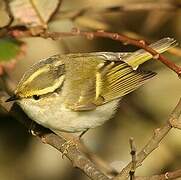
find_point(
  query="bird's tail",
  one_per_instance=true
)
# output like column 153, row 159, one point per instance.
column 140, row 56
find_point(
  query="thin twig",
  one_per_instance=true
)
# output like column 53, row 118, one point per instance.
column 168, row 175
column 174, row 123
column 77, row 158
column 133, row 160
column 175, row 50
column 153, row 143
column 90, row 35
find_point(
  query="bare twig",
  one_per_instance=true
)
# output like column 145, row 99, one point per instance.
column 153, row 143
column 77, row 158
column 74, row 154
column 168, row 175
column 175, row 50
column 133, row 156
column 91, row 35
column 174, row 123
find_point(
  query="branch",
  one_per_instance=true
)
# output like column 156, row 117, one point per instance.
column 133, row 156
column 77, row 158
column 175, row 50
column 167, row 175
column 90, row 35
column 74, row 154
column 153, row 143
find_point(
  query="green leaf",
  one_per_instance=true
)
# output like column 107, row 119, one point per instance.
column 9, row 49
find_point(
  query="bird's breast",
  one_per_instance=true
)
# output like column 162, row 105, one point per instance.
column 54, row 115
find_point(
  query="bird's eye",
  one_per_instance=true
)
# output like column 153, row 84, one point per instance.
column 36, row 97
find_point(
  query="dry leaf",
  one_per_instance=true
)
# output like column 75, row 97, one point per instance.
column 33, row 12
column 4, row 15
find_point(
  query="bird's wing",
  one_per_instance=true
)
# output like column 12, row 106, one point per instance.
column 79, row 86
column 116, row 79
column 106, row 80
column 117, row 76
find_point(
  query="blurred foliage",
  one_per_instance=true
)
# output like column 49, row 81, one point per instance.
column 24, row 158
column 10, row 51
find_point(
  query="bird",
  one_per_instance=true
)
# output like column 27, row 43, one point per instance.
column 76, row 92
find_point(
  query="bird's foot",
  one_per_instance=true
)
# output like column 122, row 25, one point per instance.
column 32, row 128
column 82, row 134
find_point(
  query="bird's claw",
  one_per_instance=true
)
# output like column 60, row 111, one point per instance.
column 32, row 128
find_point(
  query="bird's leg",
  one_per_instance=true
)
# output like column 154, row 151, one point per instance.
column 81, row 135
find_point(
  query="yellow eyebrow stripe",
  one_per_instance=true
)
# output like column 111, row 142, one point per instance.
column 46, row 90
column 36, row 74
column 51, row 88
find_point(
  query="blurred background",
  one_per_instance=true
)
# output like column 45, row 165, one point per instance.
column 23, row 157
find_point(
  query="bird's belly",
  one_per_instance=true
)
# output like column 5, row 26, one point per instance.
column 63, row 119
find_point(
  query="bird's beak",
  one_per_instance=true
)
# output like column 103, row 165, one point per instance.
column 12, row 98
